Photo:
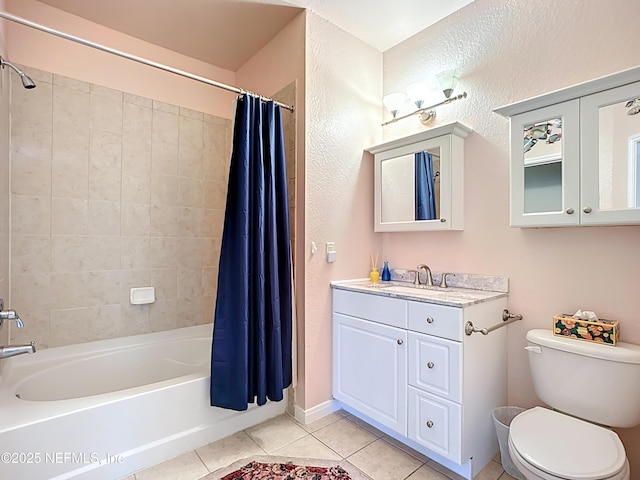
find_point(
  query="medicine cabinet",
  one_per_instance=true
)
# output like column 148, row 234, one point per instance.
column 419, row 181
column 575, row 154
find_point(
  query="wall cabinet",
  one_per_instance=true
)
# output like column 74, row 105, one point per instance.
column 407, row 367
column 575, row 154
column 419, row 181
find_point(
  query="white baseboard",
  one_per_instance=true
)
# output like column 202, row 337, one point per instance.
column 316, row 413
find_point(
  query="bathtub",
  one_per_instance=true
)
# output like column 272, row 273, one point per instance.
column 105, row 409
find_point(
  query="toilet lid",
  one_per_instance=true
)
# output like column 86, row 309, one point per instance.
column 565, row 446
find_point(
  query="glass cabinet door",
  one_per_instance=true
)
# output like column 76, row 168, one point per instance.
column 545, row 166
column 610, row 151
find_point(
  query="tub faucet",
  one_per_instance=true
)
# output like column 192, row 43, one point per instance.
column 13, row 350
column 427, row 271
column 9, row 315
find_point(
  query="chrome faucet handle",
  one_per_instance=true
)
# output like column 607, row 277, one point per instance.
column 416, row 279
column 443, row 282
column 10, row 315
column 427, row 271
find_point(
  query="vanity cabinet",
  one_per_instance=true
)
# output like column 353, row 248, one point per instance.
column 575, row 154
column 419, row 181
column 407, row 367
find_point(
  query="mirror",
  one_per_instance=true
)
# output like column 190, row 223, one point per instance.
column 543, row 166
column 416, row 180
column 619, row 155
column 419, row 181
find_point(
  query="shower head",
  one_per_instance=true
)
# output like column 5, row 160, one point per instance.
column 26, row 80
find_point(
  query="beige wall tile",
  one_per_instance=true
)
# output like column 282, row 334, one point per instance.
column 189, row 283
column 187, row 112
column 189, row 252
column 71, row 83
column 211, row 252
column 110, row 93
column 136, row 187
column 163, row 315
column 215, row 192
column 31, row 174
column 209, row 281
column 190, row 221
column 69, row 216
column 165, row 107
column 104, row 321
column 103, row 218
column 70, row 162
column 138, row 100
column 134, row 253
column 190, row 148
column 31, row 110
column 163, row 252
column 134, row 320
column 105, row 166
column 106, row 111
column 102, row 253
column 190, row 193
column 69, row 326
column 165, row 220
column 30, row 293
column 131, row 279
column 104, row 288
column 36, row 329
column 165, row 281
column 164, row 189
column 207, row 308
column 68, row 290
column 30, row 214
column 164, row 143
column 189, row 311
column 215, row 161
column 68, row 253
column 136, row 219
column 30, row 254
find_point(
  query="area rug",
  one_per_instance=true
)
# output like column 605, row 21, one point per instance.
column 286, row 468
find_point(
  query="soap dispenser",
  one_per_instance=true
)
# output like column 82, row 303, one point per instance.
column 386, row 274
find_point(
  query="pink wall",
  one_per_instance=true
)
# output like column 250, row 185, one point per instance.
column 344, row 92
column 31, row 47
column 508, row 52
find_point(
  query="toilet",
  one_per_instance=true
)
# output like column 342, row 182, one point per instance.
column 589, row 387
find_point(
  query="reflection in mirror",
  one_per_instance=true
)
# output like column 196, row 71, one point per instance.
column 543, row 166
column 619, row 155
column 411, row 187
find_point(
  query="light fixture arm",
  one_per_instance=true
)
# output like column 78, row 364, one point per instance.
column 426, row 109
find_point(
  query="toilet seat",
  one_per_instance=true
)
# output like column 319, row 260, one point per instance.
column 559, row 446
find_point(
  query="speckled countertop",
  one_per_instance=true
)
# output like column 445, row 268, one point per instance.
column 464, row 291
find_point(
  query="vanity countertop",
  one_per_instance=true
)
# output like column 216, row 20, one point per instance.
column 451, row 296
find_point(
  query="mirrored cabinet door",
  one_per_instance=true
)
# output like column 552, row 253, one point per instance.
column 610, row 151
column 545, row 166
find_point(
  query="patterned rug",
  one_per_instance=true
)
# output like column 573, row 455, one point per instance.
column 286, row 468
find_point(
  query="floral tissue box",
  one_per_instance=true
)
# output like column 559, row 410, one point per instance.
column 601, row 331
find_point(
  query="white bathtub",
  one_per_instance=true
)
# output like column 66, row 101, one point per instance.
column 103, row 410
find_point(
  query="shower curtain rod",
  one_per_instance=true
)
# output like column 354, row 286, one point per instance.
column 151, row 63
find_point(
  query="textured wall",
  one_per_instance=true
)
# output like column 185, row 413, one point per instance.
column 4, row 181
column 111, row 191
column 509, row 51
column 343, row 118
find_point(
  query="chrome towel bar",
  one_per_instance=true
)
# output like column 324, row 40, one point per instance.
column 507, row 318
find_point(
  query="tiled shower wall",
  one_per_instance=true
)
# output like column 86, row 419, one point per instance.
column 4, row 194
column 111, row 191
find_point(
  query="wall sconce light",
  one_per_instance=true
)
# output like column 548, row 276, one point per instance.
column 418, row 92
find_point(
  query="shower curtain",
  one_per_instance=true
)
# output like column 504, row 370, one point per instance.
column 251, row 351
column 425, row 202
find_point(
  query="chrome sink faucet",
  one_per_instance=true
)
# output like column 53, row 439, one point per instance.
column 427, row 271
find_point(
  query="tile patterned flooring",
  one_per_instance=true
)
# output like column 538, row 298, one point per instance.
column 338, row 436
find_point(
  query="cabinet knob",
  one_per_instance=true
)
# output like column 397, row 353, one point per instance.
column 443, row 220
column 400, row 341
column 429, row 424
column 429, row 320
column 586, row 209
column 569, row 211
column 430, row 365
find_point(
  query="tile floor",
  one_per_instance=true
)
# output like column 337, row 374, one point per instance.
column 338, row 436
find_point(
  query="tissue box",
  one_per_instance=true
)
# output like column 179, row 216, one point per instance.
column 602, row 331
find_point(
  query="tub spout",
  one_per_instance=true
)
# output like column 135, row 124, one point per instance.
column 13, row 350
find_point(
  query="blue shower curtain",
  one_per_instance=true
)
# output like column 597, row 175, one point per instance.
column 251, row 351
column 425, row 202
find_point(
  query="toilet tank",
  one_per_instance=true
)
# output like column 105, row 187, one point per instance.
column 599, row 383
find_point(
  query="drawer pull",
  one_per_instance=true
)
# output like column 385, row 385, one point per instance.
column 400, row 341
column 430, row 365
column 429, row 320
column 429, row 424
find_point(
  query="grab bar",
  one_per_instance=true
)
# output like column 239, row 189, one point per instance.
column 507, row 318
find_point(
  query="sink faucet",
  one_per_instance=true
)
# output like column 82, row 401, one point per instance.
column 12, row 350
column 428, row 273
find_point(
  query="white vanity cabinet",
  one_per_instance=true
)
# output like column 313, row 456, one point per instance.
column 407, row 367
column 575, row 154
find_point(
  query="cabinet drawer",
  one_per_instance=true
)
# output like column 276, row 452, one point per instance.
column 377, row 308
column 435, row 365
column 435, row 423
column 438, row 320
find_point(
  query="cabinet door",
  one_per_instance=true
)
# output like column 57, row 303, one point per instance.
column 436, row 423
column 610, row 149
column 545, row 166
column 370, row 369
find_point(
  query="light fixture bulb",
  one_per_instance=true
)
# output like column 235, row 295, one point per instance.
column 394, row 102
column 418, row 93
column 448, row 81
